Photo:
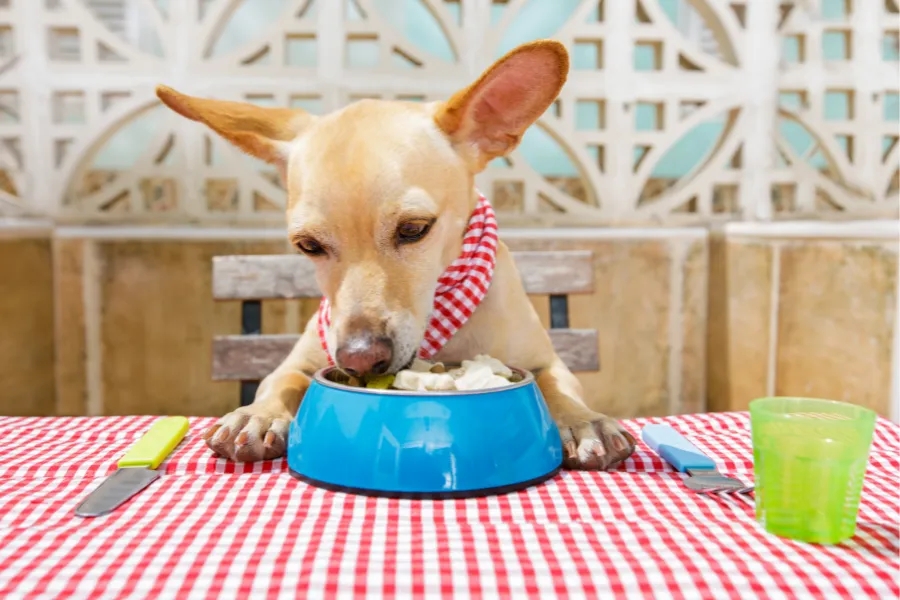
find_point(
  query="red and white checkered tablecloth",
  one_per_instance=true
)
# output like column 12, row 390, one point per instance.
column 213, row 528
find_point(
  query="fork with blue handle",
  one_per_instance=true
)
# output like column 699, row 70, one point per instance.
column 703, row 475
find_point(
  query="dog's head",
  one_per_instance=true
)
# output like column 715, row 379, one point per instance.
column 379, row 193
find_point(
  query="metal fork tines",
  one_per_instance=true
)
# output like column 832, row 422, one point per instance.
column 710, row 481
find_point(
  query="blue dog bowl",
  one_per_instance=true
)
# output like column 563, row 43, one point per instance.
column 423, row 444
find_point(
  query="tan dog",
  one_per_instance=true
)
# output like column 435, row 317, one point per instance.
column 379, row 194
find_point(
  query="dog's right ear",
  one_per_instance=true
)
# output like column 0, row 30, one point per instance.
column 259, row 131
column 488, row 118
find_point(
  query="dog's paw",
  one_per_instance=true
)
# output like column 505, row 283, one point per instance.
column 246, row 436
column 597, row 445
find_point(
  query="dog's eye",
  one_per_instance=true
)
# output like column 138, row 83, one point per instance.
column 310, row 247
column 412, row 231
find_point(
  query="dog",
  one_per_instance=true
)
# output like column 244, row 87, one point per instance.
column 379, row 197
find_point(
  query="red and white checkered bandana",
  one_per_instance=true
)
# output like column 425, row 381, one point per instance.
column 460, row 288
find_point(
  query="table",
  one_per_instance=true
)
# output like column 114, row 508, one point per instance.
column 214, row 528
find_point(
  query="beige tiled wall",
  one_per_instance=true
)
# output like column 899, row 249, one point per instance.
column 804, row 317
column 26, row 327
column 113, row 326
column 738, row 341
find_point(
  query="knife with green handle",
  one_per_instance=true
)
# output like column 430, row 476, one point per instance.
column 137, row 469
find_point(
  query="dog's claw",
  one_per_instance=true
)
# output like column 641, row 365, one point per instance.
column 210, row 432
column 571, row 449
column 241, row 439
column 270, row 439
column 222, row 436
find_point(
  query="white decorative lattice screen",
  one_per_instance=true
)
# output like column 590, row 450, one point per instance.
column 676, row 110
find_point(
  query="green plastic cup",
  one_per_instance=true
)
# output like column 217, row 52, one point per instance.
column 809, row 459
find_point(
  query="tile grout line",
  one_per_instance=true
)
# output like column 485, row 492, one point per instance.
column 57, row 321
column 676, row 321
column 93, row 344
column 894, row 409
column 704, row 320
column 774, row 298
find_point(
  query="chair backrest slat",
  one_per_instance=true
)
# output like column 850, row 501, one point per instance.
column 261, row 277
column 252, row 357
column 293, row 276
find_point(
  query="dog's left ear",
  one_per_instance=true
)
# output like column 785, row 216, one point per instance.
column 259, row 131
column 487, row 119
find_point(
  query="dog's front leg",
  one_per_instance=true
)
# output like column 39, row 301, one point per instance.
column 591, row 441
column 260, row 431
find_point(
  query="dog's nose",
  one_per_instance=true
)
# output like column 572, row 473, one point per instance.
column 365, row 355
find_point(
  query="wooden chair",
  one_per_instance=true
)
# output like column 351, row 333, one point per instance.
column 251, row 356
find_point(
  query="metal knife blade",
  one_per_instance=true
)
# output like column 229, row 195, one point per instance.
column 137, row 469
column 116, row 490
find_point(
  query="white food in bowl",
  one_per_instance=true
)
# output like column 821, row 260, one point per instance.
column 482, row 372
